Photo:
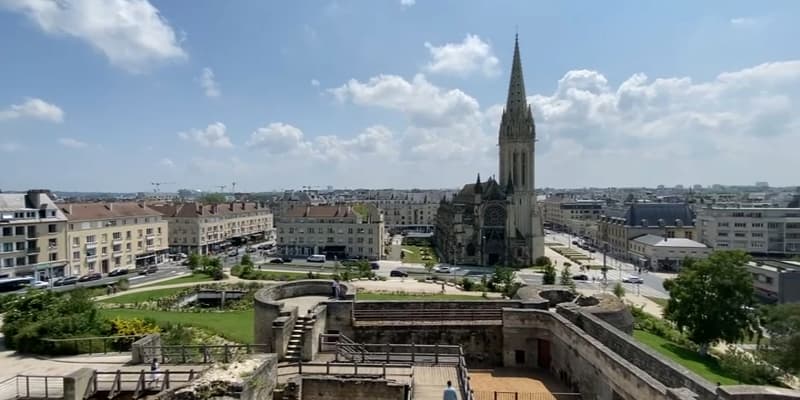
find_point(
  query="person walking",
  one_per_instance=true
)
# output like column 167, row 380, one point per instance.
column 154, row 375
column 335, row 289
column 450, row 392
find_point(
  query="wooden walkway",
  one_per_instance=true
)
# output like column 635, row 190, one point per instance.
column 429, row 382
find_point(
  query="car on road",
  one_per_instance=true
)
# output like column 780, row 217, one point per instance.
column 442, row 269
column 150, row 269
column 580, row 277
column 318, row 258
column 233, row 253
column 575, row 242
column 398, row 273
column 276, row 261
column 70, row 280
column 374, row 265
column 38, row 284
column 118, row 272
column 92, row 276
column 251, row 250
column 633, row 279
column 287, row 259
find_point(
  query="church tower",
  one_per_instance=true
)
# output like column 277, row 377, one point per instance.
column 517, row 141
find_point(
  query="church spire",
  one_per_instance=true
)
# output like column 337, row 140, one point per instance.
column 478, row 185
column 516, row 88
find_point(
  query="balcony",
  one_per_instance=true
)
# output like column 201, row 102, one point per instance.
column 117, row 253
column 149, row 236
column 32, row 250
column 91, row 245
column 91, row 258
column 116, row 241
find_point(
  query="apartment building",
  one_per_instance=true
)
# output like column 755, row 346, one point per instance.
column 756, row 230
column 32, row 235
column 776, row 281
column 618, row 225
column 561, row 212
column 105, row 236
column 408, row 215
column 658, row 253
column 210, row 228
column 340, row 231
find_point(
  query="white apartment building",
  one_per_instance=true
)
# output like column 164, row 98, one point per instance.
column 756, row 230
column 340, row 231
column 658, row 253
column 105, row 236
column 32, row 235
column 210, row 228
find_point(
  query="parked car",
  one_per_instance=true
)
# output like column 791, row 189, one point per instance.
column 252, row 249
column 374, row 265
column 276, row 261
column 580, row 277
column 150, row 269
column 633, row 279
column 233, row 253
column 286, row 259
column 442, row 269
column 118, row 272
column 92, row 276
column 38, row 284
column 70, row 280
column 398, row 273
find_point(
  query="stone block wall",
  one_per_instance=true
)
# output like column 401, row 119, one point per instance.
column 263, row 381
column 339, row 317
column 75, row 384
column 282, row 331
column 311, row 337
column 667, row 372
column 379, row 305
column 146, row 349
column 329, row 387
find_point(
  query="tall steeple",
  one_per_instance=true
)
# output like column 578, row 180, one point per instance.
column 516, row 87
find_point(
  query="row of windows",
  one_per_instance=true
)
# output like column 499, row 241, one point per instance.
column 29, row 214
column 329, row 230
column 770, row 225
column 114, row 222
column 25, row 260
column 330, row 239
column 92, row 239
column 29, row 230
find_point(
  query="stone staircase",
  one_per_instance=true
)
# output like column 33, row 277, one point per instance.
column 294, row 350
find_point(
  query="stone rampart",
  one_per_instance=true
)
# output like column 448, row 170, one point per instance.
column 263, row 380
column 330, row 387
column 146, row 349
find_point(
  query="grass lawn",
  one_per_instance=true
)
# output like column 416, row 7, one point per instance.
column 232, row 325
column 707, row 367
column 139, row 297
column 181, row 279
column 659, row 301
column 285, row 276
column 414, row 296
column 413, row 254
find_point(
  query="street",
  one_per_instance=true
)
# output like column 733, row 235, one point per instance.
column 165, row 270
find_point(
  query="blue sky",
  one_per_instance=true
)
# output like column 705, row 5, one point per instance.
column 112, row 95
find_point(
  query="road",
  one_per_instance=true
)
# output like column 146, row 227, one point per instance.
column 653, row 282
column 164, row 271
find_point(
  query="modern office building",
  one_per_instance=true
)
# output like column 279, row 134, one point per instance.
column 210, row 228
column 756, row 230
column 32, row 235
column 776, row 281
column 105, row 236
column 338, row 231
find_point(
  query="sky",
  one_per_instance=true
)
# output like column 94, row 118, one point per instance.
column 112, row 95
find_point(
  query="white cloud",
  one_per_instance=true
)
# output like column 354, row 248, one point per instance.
column 72, row 143
column 9, row 147
column 33, row 108
column 746, row 21
column 407, row 3
column 213, row 135
column 314, row 83
column 422, row 102
column 279, row 138
column 132, row 34
column 208, row 83
column 462, row 59
column 166, row 162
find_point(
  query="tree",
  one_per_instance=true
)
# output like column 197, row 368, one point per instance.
column 212, row 198
column 429, row 266
column 246, row 260
column 541, row 261
column 194, row 261
column 782, row 322
column 712, row 299
column 549, row 277
column 566, row 277
column 619, row 290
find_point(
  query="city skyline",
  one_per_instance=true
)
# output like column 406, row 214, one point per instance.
column 276, row 97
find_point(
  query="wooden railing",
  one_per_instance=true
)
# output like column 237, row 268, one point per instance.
column 139, row 382
column 346, row 368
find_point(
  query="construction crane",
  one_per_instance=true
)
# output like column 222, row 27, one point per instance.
column 157, row 185
column 221, row 187
column 233, row 187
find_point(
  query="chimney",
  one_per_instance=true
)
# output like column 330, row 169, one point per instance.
column 110, row 206
column 214, row 208
column 243, row 205
column 230, row 206
column 69, row 208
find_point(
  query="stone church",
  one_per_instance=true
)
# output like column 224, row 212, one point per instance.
column 496, row 222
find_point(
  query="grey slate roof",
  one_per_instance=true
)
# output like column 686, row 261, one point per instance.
column 652, row 212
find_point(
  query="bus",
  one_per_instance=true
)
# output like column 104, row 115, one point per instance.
column 14, row 284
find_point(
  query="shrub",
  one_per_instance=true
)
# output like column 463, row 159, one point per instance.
column 246, row 260
column 236, row 270
column 619, row 291
column 746, row 368
column 467, row 284
column 123, row 284
column 549, row 277
column 541, row 261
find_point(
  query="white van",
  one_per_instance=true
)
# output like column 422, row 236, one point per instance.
column 320, row 258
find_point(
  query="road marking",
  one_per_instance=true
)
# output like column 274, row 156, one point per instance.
column 135, row 278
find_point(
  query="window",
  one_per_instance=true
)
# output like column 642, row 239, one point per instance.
column 740, row 225
column 76, row 255
column 7, row 231
column 757, row 234
column 140, row 233
column 53, row 257
column 722, row 234
column 139, row 245
column 52, row 243
column 19, row 231
column 90, row 239
column 757, row 225
column 773, row 225
column 51, row 228
column 159, row 230
column 117, row 235
column 519, row 356
column 128, row 246
column 20, row 261
column 128, row 235
column 722, row 224
column 740, row 234
column 105, row 237
column 104, row 250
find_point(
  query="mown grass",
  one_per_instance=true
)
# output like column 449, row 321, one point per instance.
column 232, row 325
column 412, row 254
column 139, row 297
column 705, row 366
column 661, row 302
column 181, row 279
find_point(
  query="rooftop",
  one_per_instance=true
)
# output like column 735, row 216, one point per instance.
column 659, row 241
column 95, row 211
